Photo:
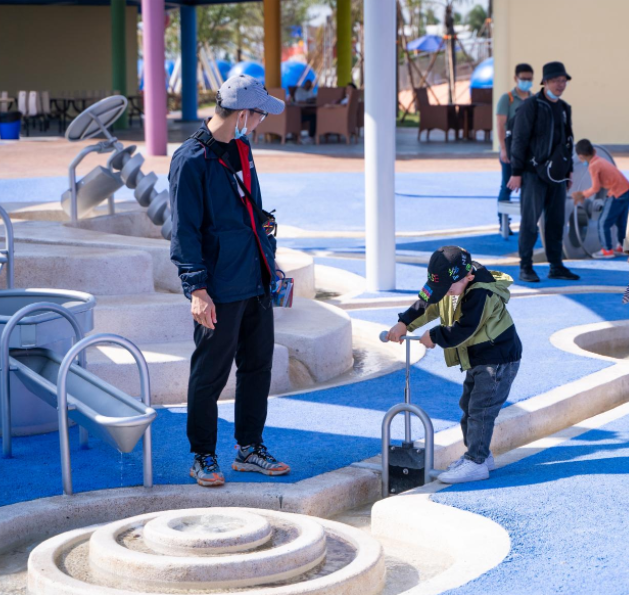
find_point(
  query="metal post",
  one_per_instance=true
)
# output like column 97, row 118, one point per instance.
column 189, row 100
column 62, row 404
column 380, row 109
column 8, row 246
column 407, row 392
column 5, row 389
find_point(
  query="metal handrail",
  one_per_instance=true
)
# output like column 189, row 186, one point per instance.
column 8, row 250
column 429, row 442
column 5, row 392
column 101, row 147
column 62, row 404
column 407, row 408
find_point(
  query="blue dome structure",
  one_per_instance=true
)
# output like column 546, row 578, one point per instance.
column 252, row 69
column 483, row 75
column 292, row 71
column 224, row 67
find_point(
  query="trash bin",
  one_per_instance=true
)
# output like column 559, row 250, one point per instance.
column 10, row 123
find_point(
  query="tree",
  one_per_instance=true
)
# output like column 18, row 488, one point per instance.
column 476, row 18
column 237, row 29
column 431, row 17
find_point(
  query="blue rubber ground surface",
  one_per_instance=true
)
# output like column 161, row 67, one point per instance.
column 322, row 430
column 312, row 201
column 565, row 509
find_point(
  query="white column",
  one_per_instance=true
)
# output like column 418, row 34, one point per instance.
column 380, row 111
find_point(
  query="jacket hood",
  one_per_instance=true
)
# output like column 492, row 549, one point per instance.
column 495, row 281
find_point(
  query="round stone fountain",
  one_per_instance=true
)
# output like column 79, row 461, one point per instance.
column 209, row 550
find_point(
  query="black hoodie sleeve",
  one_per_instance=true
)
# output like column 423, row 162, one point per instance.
column 522, row 133
column 463, row 329
column 414, row 312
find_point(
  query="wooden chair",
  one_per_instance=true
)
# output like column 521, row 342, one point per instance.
column 288, row 122
column 483, row 118
column 441, row 117
column 338, row 119
column 329, row 95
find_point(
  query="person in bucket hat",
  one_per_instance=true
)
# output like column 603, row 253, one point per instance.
column 476, row 333
column 226, row 262
column 541, row 167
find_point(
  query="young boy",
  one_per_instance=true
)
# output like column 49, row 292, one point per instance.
column 476, row 333
column 616, row 210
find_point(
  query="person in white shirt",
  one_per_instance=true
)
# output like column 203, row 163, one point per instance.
column 305, row 92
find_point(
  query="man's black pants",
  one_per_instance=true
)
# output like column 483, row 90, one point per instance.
column 244, row 330
column 550, row 199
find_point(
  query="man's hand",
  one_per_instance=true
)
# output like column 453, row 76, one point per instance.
column 426, row 341
column 503, row 155
column 578, row 197
column 203, row 309
column 514, row 183
column 397, row 332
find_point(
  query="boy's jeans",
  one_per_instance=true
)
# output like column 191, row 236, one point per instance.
column 485, row 390
column 615, row 213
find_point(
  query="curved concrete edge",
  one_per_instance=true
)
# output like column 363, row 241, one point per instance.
column 365, row 575
column 365, row 336
column 321, row 496
column 587, row 340
column 337, row 281
column 475, row 543
column 300, row 266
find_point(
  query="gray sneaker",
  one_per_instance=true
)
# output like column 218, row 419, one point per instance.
column 206, row 471
column 467, row 471
column 255, row 457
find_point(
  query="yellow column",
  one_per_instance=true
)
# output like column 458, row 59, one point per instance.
column 343, row 42
column 272, row 43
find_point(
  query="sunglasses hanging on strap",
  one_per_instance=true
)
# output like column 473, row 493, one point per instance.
column 267, row 220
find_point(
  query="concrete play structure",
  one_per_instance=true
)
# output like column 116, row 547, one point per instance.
column 123, row 168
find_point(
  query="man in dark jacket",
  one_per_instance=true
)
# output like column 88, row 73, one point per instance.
column 541, row 165
column 226, row 263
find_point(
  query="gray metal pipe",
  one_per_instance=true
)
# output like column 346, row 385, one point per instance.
column 5, row 390
column 407, row 408
column 8, row 246
column 429, row 442
column 62, row 404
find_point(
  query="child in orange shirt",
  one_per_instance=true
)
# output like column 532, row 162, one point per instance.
column 616, row 210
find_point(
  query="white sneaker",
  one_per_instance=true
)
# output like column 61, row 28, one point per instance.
column 467, row 471
column 491, row 464
column 455, row 464
column 604, row 253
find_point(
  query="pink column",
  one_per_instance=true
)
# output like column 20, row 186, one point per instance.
column 155, row 126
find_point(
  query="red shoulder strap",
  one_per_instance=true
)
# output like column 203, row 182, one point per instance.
column 243, row 153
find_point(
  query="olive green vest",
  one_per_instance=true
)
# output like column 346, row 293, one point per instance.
column 494, row 321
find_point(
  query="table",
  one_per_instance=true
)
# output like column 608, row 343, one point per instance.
column 467, row 109
column 506, row 208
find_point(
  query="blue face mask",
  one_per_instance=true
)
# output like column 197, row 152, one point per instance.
column 240, row 132
column 551, row 95
column 525, row 85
